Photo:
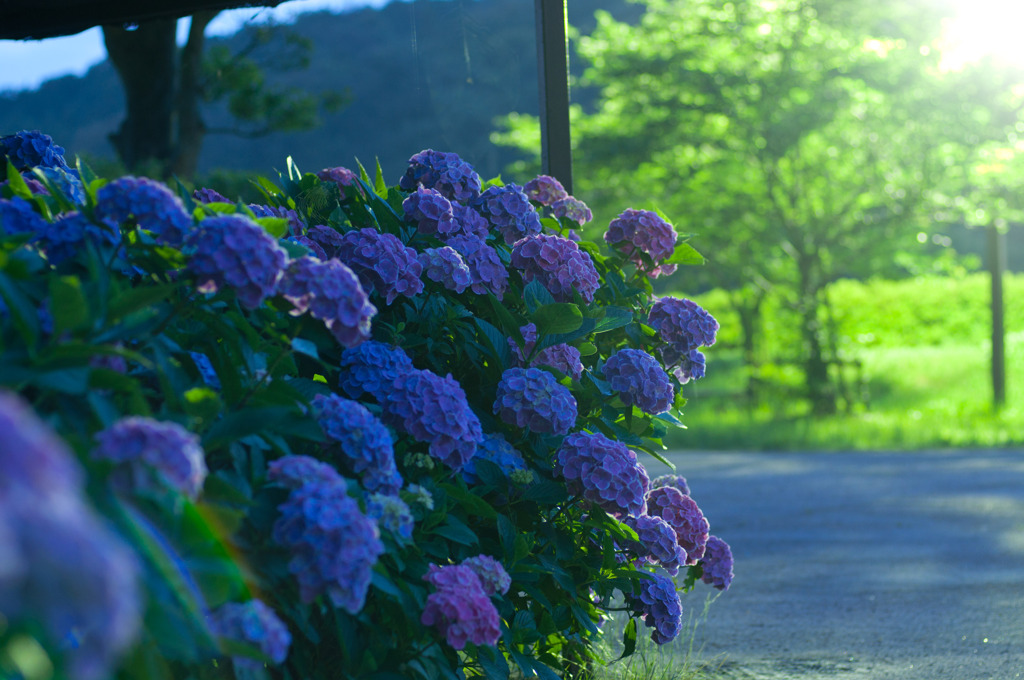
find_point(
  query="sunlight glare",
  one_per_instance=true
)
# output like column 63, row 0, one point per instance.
column 984, row 28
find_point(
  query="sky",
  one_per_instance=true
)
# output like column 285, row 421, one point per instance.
column 27, row 64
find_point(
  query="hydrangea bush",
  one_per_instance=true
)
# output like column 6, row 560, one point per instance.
column 358, row 430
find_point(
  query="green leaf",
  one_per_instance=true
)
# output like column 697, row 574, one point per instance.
column 275, row 226
column 68, row 304
column 557, row 317
column 202, row 402
column 473, row 504
column 23, row 312
column 305, row 347
column 685, row 254
column 629, row 639
column 455, row 530
column 17, row 182
column 141, row 297
column 614, row 317
column 587, row 349
column 546, row 492
column 497, row 343
column 493, row 663
column 293, row 170
column 535, row 295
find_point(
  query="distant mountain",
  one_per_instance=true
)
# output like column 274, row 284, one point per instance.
column 425, row 74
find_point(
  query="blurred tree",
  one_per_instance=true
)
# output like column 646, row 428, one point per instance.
column 165, row 87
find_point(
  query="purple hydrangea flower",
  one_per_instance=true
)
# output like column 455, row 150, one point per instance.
column 65, row 237
column 17, row 216
column 151, row 205
column 605, row 472
column 293, row 472
column 234, row 251
column 558, row 264
column 430, row 212
column 545, row 190
column 561, row 357
column 315, row 249
column 434, row 410
column 142, row 444
column 333, row 545
column 372, row 368
column 295, row 224
column 468, row 222
column 532, row 398
column 252, row 623
column 488, row 273
column 364, row 442
column 446, row 266
column 492, row 575
column 572, row 209
column 327, row 238
column 392, row 513
column 446, row 172
column 35, row 461
column 205, row 195
column 639, row 379
column 343, row 177
column 331, row 292
column 677, row 481
column 459, row 608
column 382, row 263
column 682, row 513
column 691, row 366
column 659, row 606
column 496, row 449
column 110, row 362
column 644, row 238
column 717, row 564
column 682, row 325
column 28, row 149
column 658, row 542
column 509, row 211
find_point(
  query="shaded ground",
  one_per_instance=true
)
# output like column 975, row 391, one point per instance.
column 866, row 565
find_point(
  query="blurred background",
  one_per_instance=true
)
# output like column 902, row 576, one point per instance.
column 852, row 169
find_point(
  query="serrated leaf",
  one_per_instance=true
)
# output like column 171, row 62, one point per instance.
column 557, row 317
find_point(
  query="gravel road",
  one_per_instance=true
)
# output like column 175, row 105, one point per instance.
column 865, row 565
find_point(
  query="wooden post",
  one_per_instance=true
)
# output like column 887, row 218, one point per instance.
column 553, row 78
column 996, row 267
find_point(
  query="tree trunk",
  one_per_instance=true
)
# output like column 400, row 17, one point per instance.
column 747, row 304
column 819, row 387
column 190, row 128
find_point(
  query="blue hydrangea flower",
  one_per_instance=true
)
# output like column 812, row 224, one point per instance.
column 682, row 513
column 151, row 205
column 605, row 472
column 496, row 449
column 315, row 249
column 658, row 605
column 446, row 172
column 365, row 444
column 639, row 379
column 572, row 209
column 17, row 216
column 561, row 357
column 645, row 239
column 558, row 264
column 67, row 183
column 333, row 545
column 532, row 398
column 65, row 237
column 430, row 212
column 142, row 444
column 327, row 238
column 545, row 190
column 382, row 263
column 233, row 251
column 252, row 623
column 205, row 195
column 682, row 325
column 34, row 460
column 372, row 367
column 492, row 575
column 460, row 608
column 677, row 481
column 446, row 266
column 331, row 292
column 206, row 370
column 509, row 211
column 392, row 513
column 28, row 149
column 343, row 177
column 468, row 222
column 717, row 564
column 488, row 273
column 691, row 366
column 434, row 410
column 292, row 472
column 658, row 542
column 295, row 224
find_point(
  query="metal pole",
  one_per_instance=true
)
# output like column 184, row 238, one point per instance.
column 996, row 266
column 553, row 78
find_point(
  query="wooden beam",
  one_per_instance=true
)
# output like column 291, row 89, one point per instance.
column 553, row 78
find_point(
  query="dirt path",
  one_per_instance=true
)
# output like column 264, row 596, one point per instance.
column 906, row 566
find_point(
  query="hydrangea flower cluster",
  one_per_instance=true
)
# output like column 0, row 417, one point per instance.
column 645, row 239
column 717, row 564
column 468, row 222
column 454, row 178
column 252, row 623
column 151, row 205
column 558, row 264
column 331, row 292
column 682, row 513
column 295, row 223
column 691, row 366
column 392, row 513
column 292, row 472
column 658, row 605
column 605, row 472
column 382, row 263
column 446, row 266
column 682, row 325
column 460, row 608
column 434, row 410
column 493, row 576
column 333, row 545
column 509, row 211
column 496, row 449
column 204, row 195
column 343, row 177
column 34, row 459
column 430, row 212
column 17, row 216
column 365, row 444
column 677, row 481
column 488, row 274
column 572, row 209
column 416, row 495
column 141, row 445
column 28, row 149
column 327, row 239
column 545, row 190
column 658, row 542
column 640, row 380
column 234, row 252
column 561, row 357
column 532, row 398
column 65, row 237
column 372, row 368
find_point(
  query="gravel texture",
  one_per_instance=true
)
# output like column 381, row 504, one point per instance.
column 865, row 565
